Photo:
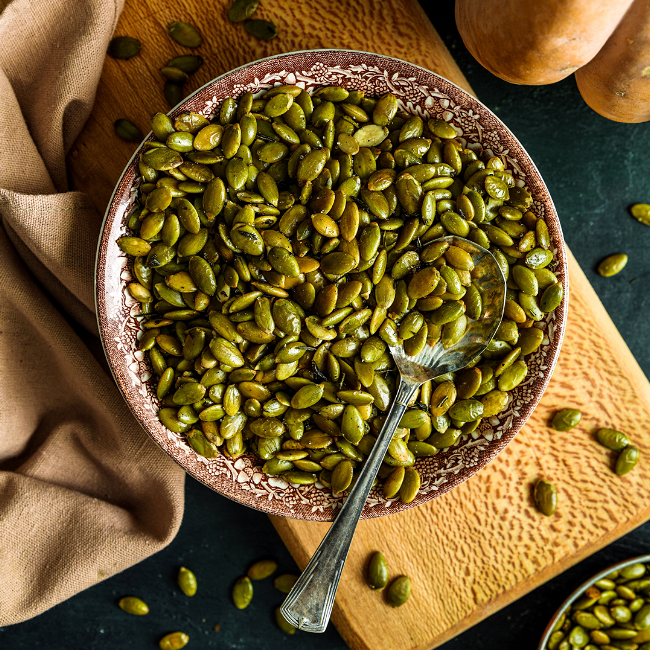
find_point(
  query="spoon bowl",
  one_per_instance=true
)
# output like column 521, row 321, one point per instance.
column 437, row 360
column 309, row 604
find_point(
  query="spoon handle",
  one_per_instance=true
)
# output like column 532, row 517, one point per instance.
column 309, row 604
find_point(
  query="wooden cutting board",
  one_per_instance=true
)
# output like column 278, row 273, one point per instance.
column 483, row 545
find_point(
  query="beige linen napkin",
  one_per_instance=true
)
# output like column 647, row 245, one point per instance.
column 84, row 493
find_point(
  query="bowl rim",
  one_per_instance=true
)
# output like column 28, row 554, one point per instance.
column 497, row 446
column 576, row 593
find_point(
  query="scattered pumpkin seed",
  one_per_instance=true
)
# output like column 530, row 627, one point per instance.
column 566, row 419
column 133, row 605
column 399, row 591
column 174, row 641
column 262, row 569
column 546, row 497
column 187, row 581
column 262, row 29
column 282, row 622
column 378, row 571
column 242, row 592
column 641, row 212
column 188, row 63
column 124, row 47
column 612, row 265
column 184, row 34
column 127, row 130
column 241, row 10
column 285, row 582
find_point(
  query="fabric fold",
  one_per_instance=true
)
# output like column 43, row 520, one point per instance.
column 84, row 492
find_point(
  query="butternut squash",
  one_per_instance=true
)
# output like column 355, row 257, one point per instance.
column 537, row 42
column 616, row 82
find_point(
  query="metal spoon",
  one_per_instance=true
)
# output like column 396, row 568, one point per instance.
column 309, row 604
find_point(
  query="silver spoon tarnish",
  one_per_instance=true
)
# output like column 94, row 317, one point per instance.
column 309, row 604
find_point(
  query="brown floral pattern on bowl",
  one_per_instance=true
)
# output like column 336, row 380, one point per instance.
column 420, row 92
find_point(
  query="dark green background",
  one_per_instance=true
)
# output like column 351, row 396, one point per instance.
column 595, row 169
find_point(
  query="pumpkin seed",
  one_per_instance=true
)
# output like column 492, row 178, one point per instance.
column 124, row 47
column 262, row 569
column 612, row 439
column 612, row 265
column 282, row 622
column 285, row 582
column 641, row 212
column 184, row 34
column 262, row 29
column 241, row 10
column 174, row 641
column 187, row 581
column 133, row 605
column 188, row 63
column 242, row 592
column 377, row 576
column 399, row 591
column 627, row 460
column 566, row 419
column 127, row 131
column 546, row 497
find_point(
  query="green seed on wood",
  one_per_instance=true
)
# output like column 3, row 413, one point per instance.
column 127, row 130
column 627, row 460
column 262, row 29
column 184, row 34
column 399, row 591
column 612, row 439
column 124, row 47
column 174, row 641
column 242, row 10
column 188, row 63
column 175, row 75
column 377, row 571
column 566, row 419
column 545, row 497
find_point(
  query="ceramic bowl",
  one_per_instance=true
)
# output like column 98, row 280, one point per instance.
column 420, row 92
column 645, row 559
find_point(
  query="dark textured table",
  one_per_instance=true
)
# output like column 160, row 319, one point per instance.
column 595, row 169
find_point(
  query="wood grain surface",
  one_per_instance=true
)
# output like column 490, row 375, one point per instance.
column 133, row 89
column 483, row 545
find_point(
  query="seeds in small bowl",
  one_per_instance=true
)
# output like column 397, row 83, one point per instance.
column 612, row 610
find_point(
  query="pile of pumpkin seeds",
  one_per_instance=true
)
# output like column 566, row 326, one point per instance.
column 612, row 614
column 241, row 12
column 280, row 249
column 377, row 577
